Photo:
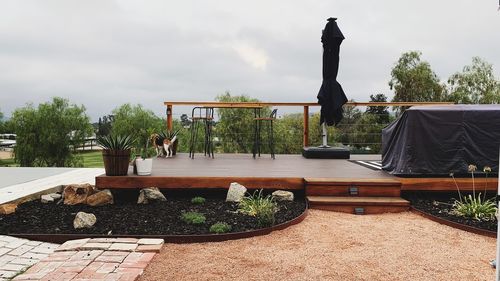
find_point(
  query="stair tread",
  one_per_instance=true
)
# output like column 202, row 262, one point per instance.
column 354, row 200
column 377, row 181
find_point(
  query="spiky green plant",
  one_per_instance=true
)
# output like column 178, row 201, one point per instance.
column 169, row 134
column 193, row 218
column 198, row 200
column 475, row 208
column 115, row 142
column 220, row 227
column 256, row 205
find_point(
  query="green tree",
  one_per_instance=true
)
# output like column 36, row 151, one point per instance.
column 2, row 126
column 347, row 126
column 105, row 125
column 381, row 112
column 47, row 135
column 136, row 121
column 235, row 126
column 475, row 84
column 288, row 132
column 414, row 81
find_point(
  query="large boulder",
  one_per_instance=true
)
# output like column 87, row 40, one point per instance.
column 77, row 193
column 282, row 195
column 84, row 220
column 236, row 192
column 100, row 198
column 8, row 208
column 150, row 194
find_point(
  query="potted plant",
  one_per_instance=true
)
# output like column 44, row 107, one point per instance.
column 172, row 136
column 116, row 153
column 144, row 163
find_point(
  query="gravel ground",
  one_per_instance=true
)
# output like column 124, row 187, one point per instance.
column 336, row 246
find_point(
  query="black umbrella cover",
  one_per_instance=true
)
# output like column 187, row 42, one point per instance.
column 331, row 96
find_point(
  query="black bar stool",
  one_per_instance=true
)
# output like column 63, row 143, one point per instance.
column 270, row 133
column 205, row 116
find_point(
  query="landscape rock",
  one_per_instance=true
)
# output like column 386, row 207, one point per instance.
column 282, row 195
column 46, row 198
column 77, row 193
column 236, row 192
column 84, row 220
column 150, row 194
column 100, row 198
column 9, row 208
column 56, row 196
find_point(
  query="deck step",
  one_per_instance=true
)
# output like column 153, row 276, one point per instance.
column 359, row 205
column 352, row 187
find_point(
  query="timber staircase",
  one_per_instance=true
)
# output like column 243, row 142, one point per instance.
column 355, row 196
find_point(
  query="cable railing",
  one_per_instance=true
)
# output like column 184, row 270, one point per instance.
column 346, row 133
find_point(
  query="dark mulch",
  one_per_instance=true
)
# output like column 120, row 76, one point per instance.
column 127, row 217
column 440, row 205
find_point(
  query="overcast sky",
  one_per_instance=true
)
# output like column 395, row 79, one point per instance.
column 103, row 53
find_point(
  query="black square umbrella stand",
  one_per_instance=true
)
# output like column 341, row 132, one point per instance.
column 326, row 152
column 330, row 96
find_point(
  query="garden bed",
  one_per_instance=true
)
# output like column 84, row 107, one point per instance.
column 439, row 206
column 160, row 219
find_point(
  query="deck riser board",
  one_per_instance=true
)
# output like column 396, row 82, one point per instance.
column 368, row 210
column 343, row 190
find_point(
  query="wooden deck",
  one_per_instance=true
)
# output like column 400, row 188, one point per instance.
column 285, row 172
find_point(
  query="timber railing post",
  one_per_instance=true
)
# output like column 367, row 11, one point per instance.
column 306, row 126
column 169, row 117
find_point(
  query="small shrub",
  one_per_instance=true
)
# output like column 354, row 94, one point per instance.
column 472, row 206
column 198, row 200
column 193, row 218
column 220, row 227
column 475, row 208
column 256, row 205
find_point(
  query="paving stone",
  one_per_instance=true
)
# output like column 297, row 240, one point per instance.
column 86, row 255
column 30, row 276
column 123, row 247
column 14, row 267
column 45, row 248
column 4, row 250
column 115, row 258
column 7, row 274
column 108, row 267
column 6, row 258
column 19, row 251
column 33, row 243
column 24, row 261
column 15, row 243
column 95, row 246
column 6, row 238
column 102, row 240
column 150, row 241
column 126, row 240
column 149, row 248
column 72, row 245
column 58, row 275
column 36, row 256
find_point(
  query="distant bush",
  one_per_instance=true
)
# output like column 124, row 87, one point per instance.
column 198, row 200
column 220, row 227
column 193, row 218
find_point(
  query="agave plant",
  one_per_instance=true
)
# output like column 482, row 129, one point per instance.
column 116, row 142
column 169, row 134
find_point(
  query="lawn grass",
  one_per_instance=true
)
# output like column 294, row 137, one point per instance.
column 8, row 163
column 92, row 159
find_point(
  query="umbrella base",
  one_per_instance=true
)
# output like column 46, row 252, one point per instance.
column 326, row 153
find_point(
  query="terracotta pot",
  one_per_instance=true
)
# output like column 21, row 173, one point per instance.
column 116, row 162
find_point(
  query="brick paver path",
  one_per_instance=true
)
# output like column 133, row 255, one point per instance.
column 82, row 259
column 16, row 255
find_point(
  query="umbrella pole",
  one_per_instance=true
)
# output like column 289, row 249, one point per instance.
column 325, row 136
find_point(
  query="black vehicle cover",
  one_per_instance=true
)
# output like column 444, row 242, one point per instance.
column 438, row 140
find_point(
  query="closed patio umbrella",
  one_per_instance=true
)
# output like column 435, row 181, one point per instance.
column 331, row 96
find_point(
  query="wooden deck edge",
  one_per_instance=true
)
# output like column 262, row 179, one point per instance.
column 367, row 181
column 447, row 184
column 339, row 202
column 198, row 182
